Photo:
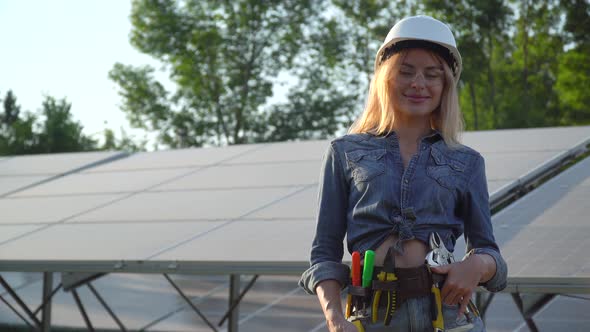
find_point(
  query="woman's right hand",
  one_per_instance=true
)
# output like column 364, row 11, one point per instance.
column 341, row 325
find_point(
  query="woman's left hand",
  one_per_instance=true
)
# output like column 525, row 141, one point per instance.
column 462, row 278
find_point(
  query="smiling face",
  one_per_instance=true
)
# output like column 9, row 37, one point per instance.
column 418, row 82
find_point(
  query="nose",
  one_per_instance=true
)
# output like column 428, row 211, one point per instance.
column 419, row 81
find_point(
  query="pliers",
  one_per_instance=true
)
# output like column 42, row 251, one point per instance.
column 439, row 255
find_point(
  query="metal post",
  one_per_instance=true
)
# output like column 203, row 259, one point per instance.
column 20, row 302
column 234, row 293
column 82, row 310
column 190, row 303
column 17, row 313
column 237, row 301
column 47, row 291
column 107, row 308
column 530, row 306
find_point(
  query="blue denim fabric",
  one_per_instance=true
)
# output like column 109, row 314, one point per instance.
column 415, row 315
column 365, row 194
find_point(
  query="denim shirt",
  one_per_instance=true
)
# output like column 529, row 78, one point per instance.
column 365, row 194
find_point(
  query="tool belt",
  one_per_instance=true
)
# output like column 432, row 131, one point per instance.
column 390, row 288
column 410, row 283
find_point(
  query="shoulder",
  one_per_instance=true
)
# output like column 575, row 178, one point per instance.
column 463, row 155
column 351, row 142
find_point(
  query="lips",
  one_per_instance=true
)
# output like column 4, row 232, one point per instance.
column 416, row 98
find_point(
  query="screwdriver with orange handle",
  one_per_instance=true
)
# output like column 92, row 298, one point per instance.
column 356, row 280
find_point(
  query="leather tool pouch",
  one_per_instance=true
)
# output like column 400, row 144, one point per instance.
column 360, row 296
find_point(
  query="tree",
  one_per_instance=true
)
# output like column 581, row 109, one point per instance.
column 222, row 55
column 16, row 131
column 54, row 130
column 480, row 28
column 529, row 95
column 573, row 76
column 11, row 110
column 59, row 132
column 125, row 143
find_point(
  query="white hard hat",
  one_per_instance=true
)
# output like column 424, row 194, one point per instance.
column 422, row 28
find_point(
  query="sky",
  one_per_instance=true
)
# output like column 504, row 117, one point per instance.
column 65, row 48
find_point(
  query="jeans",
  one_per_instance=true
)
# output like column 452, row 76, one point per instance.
column 415, row 315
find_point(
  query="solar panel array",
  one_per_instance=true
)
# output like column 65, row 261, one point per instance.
column 245, row 208
column 20, row 172
column 545, row 235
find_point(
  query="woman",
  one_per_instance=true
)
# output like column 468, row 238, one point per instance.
column 399, row 176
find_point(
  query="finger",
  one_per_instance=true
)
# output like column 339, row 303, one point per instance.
column 463, row 306
column 449, row 296
column 443, row 269
column 455, row 298
column 449, row 292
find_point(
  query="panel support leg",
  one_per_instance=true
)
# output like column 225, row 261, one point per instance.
column 530, row 305
column 20, row 302
column 47, row 294
column 82, row 310
column 106, row 307
column 190, row 303
column 234, row 293
column 235, row 303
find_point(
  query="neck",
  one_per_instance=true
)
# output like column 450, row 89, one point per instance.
column 410, row 130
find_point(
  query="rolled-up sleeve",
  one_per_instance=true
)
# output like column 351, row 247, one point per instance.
column 479, row 234
column 328, row 245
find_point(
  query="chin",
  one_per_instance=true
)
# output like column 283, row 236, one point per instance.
column 418, row 111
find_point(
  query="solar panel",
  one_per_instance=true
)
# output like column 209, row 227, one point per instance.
column 185, row 205
column 244, row 199
column 103, row 182
column 21, row 172
column 88, row 242
column 526, row 139
column 50, row 164
column 181, row 158
column 12, row 183
column 42, row 210
column 248, row 176
column 272, row 241
column 546, row 235
column 503, row 167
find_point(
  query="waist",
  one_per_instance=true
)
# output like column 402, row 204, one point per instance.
column 414, row 252
column 408, row 282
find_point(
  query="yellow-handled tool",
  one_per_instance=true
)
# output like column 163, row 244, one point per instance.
column 359, row 326
column 391, row 300
column 438, row 323
column 348, row 306
column 377, row 298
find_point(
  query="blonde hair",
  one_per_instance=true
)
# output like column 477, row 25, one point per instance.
column 378, row 116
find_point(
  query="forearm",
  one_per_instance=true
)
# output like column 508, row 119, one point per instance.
column 487, row 266
column 328, row 292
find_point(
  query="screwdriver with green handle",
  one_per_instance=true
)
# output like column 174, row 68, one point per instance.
column 368, row 268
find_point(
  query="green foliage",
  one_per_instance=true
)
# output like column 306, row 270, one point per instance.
column 11, row 110
column 221, row 55
column 52, row 130
column 59, row 132
column 572, row 83
column 522, row 60
column 125, row 143
column 516, row 71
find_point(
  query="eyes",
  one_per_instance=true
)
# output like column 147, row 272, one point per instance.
column 431, row 74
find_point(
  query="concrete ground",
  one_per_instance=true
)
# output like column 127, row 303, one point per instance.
column 149, row 303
